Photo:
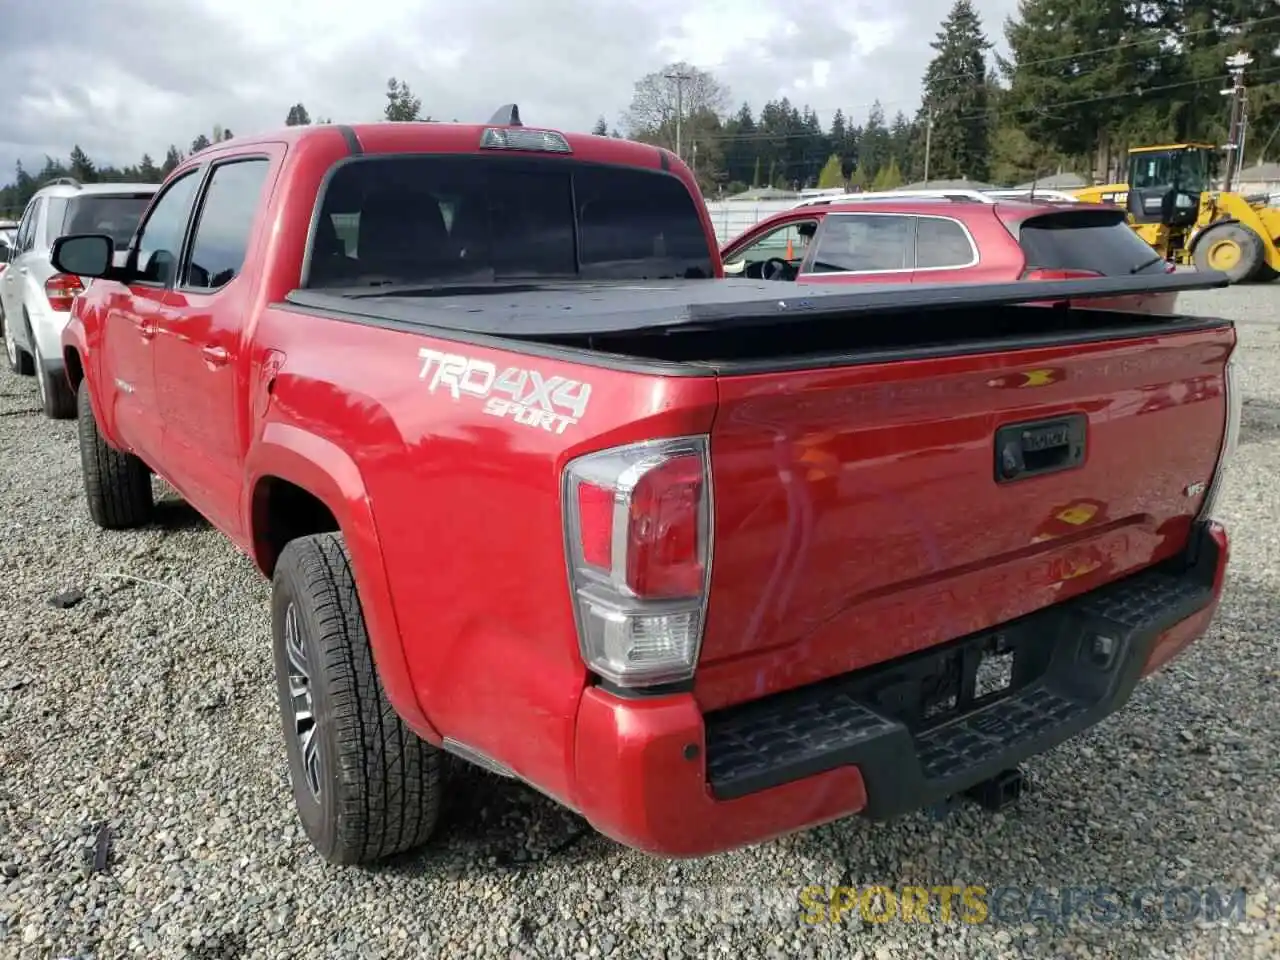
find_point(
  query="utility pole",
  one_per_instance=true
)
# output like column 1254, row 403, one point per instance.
column 1235, row 138
column 928, row 143
column 680, row 80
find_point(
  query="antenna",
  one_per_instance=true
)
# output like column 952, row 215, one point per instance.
column 508, row 115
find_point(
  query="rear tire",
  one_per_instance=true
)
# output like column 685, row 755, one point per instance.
column 364, row 785
column 1231, row 249
column 56, row 398
column 117, row 485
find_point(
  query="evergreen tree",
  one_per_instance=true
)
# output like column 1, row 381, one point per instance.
column 902, row 144
column 199, row 143
column 601, row 129
column 402, row 105
column 832, row 175
column 297, row 116
column 171, row 160
column 148, row 172
column 81, row 167
column 873, row 144
column 1206, row 32
column 889, row 177
column 740, row 157
column 1077, row 70
column 956, row 95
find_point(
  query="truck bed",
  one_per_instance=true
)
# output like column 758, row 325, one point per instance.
column 634, row 318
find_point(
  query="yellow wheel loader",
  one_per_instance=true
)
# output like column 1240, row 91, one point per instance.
column 1172, row 205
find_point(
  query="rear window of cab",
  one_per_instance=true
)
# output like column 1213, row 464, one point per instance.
column 454, row 219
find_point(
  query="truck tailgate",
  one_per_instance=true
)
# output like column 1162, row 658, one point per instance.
column 865, row 512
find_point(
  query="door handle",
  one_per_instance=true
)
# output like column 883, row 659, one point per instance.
column 147, row 331
column 214, row 355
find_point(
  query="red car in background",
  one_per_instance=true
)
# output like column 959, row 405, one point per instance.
column 946, row 238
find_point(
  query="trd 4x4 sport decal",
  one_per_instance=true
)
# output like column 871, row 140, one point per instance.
column 551, row 403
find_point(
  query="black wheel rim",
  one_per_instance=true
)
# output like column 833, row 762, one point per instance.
column 301, row 701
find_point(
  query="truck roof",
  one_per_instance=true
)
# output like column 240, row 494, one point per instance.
column 577, row 308
column 410, row 137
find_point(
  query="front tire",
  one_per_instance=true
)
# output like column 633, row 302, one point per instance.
column 117, row 485
column 364, row 785
column 1231, row 249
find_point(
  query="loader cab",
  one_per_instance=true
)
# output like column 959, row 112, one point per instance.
column 1165, row 183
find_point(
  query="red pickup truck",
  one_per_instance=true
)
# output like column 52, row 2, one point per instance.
column 703, row 560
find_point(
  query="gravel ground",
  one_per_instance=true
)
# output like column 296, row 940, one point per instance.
column 140, row 724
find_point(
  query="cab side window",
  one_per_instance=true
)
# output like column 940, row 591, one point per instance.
column 226, row 221
column 160, row 239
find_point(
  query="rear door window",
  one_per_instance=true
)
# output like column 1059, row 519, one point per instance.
column 467, row 219
column 1099, row 241
column 864, row 243
column 942, row 243
column 225, row 222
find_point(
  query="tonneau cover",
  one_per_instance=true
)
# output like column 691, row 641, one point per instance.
column 578, row 308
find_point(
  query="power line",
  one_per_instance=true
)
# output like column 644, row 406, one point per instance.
column 1156, row 35
column 763, row 135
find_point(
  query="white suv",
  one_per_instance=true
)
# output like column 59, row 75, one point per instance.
column 35, row 299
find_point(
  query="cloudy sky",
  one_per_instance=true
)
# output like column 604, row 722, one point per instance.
column 120, row 77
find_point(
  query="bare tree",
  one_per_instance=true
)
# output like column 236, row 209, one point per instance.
column 658, row 98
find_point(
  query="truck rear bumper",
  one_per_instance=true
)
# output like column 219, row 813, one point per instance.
column 659, row 775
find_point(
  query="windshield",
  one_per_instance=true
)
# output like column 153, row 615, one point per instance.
column 1185, row 170
column 465, row 219
column 115, row 216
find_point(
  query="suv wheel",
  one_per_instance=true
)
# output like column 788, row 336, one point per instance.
column 56, row 398
column 117, row 485
column 365, row 786
column 19, row 361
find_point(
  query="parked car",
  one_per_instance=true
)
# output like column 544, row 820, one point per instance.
column 35, row 299
column 537, row 486
column 963, row 236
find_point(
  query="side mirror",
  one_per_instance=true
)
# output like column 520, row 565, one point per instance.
column 6, row 252
column 87, row 255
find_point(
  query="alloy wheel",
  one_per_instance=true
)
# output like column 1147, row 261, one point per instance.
column 301, row 700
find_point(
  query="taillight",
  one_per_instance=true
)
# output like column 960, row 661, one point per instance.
column 61, row 289
column 638, row 536
column 1042, row 273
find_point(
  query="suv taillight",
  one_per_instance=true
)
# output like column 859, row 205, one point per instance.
column 638, row 536
column 61, row 289
column 1043, row 273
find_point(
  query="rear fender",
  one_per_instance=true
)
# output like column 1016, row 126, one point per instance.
column 328, row 473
